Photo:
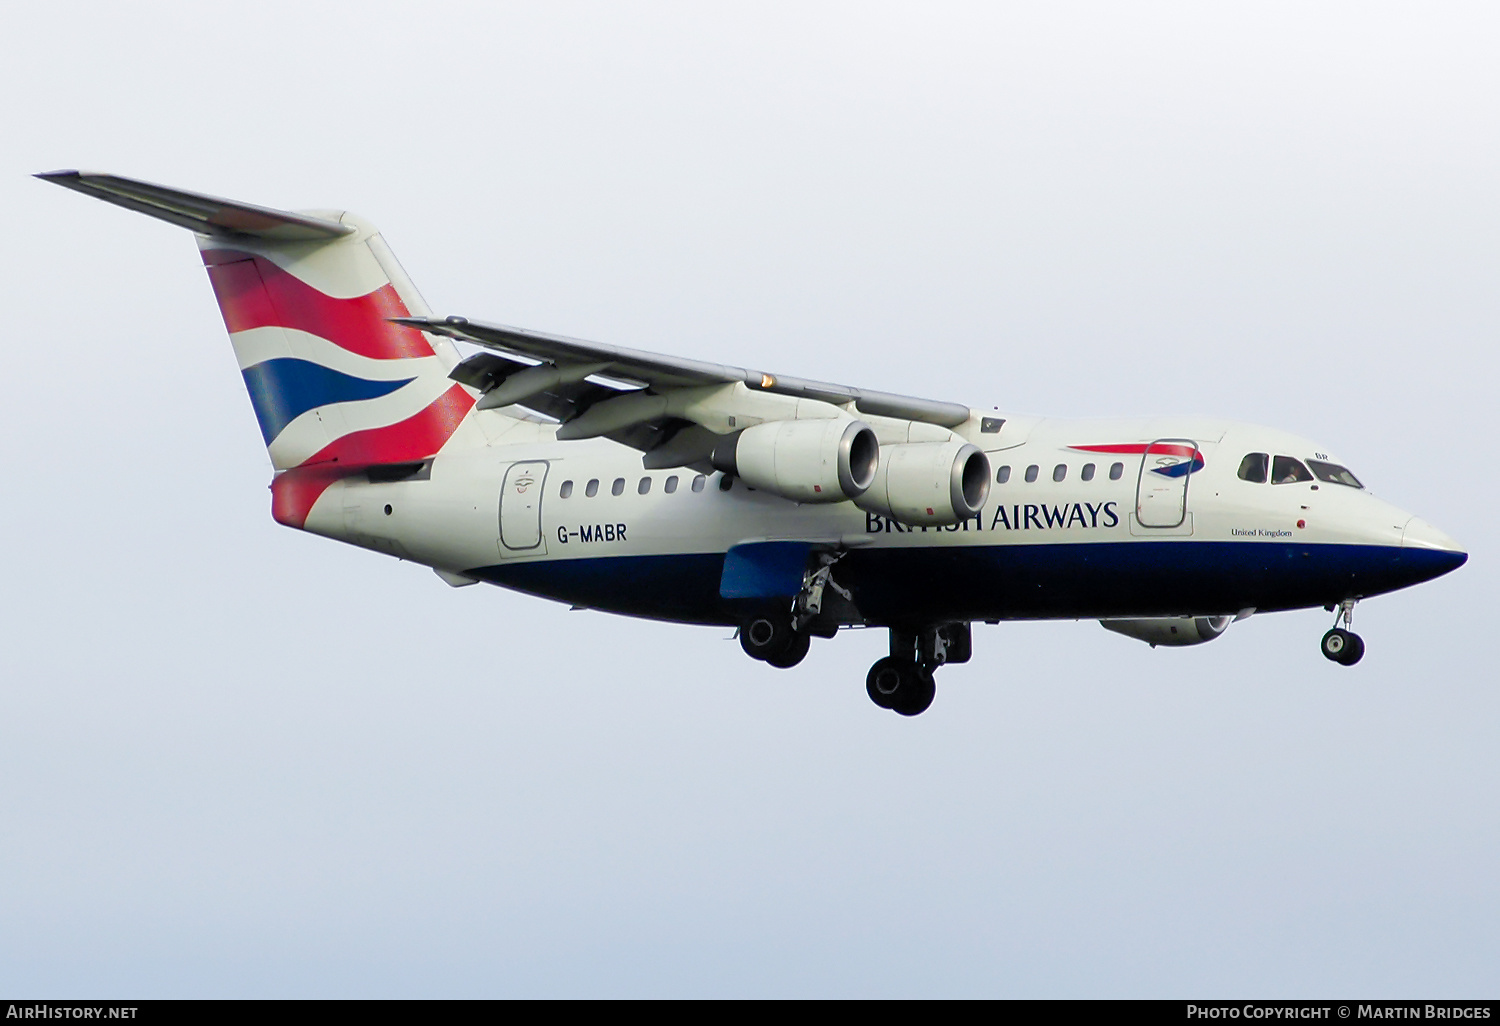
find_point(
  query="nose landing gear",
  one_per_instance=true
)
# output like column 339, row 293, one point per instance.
column 1341, row 645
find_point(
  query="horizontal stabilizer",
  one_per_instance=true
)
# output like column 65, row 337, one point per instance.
column 206, row 215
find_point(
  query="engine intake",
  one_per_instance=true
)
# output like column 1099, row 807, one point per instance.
column 929, row 484
column 1170, row 630
column 803, row 460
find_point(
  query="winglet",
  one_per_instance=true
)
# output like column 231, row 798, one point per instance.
column 206, row 215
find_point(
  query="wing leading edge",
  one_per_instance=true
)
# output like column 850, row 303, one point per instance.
column 669, row 407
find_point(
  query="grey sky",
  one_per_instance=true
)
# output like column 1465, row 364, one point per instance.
column 236, row 760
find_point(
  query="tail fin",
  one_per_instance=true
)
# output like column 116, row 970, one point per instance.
column 308, row 300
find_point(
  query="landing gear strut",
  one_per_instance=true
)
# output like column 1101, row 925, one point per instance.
column 780, row 633
column 1341, row 645
column 902, row 681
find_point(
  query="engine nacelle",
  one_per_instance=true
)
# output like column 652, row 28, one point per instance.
column 803, row 460
column 929, row 484
column 1170, row 630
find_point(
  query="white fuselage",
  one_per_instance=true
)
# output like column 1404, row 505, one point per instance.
column 569, row 505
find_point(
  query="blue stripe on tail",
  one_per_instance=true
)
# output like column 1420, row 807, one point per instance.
column 283, row 389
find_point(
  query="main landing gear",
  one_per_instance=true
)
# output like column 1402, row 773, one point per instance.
column 771, row 637
column 780, row 633
column 1341, row 645
column 902, row 681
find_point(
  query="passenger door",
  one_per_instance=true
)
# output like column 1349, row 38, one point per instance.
column 521, row 509
column 1162, row 484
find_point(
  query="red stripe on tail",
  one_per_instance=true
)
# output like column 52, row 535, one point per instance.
column 255, row 293
column 421, row 435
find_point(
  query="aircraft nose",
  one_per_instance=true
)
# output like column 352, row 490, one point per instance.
column 1419, row 534
column 1438, row 553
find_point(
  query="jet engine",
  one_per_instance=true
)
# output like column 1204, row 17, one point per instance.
column 803, row 460
column 929, row 484
column 1170, row 630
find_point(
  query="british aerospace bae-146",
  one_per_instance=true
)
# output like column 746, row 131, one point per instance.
column 653, row 486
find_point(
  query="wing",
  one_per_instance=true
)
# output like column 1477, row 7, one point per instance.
column 668, row 407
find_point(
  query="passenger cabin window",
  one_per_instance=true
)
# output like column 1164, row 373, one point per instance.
column 1333, row 473
column 1088, row 472
column 1116, row 471
column 1059, row 472
column 671, row 485
column 643, row 487
column 592, row 488
column 699, row 482
column 725, row 483
column 1003, row 475
column 618, row 488
column 1253, row 467
column 1285, row 470
column 566, row 490
column 1031, row 473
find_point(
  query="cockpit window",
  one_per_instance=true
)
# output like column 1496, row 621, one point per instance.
column 1285, row 470
column 1334, row 474
column 1253, row 467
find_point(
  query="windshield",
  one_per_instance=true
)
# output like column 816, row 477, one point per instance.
column 1285, row 470
column 1253, row 467
column 1334, row 474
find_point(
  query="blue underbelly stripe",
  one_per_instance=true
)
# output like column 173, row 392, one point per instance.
column 999, row 582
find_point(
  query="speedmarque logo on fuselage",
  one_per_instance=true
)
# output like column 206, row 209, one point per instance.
column 1176, row 460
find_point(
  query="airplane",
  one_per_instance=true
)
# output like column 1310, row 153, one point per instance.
column 653, row 486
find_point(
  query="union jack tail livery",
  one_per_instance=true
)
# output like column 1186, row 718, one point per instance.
column 308, row 300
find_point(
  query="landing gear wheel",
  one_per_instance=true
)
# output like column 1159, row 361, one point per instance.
column 1343, row 647
column 768, row 635
column 1355, row 650
column 900, row 685
column 794, row 653
column 918, row 696
column 883, row 683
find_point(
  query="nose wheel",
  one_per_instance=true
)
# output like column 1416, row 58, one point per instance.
column 1341, row 645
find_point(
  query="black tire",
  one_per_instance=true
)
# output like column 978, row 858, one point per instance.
column 1354, row 651
column 917, row 695
column 767, row 635
column 794, row 653
column 900, row 685
column 883, row 682
column 1336, row 644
